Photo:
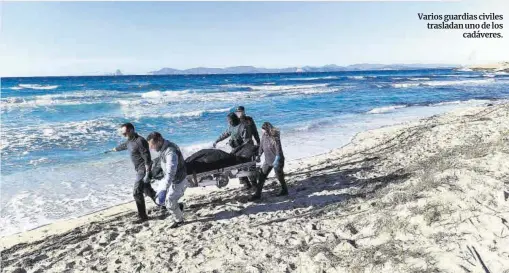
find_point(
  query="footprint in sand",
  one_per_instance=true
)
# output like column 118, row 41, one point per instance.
column 206, row 227
column 135, row 229
column 108, row 238
column 85, row 249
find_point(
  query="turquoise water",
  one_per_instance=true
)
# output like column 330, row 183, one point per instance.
column 55, row 128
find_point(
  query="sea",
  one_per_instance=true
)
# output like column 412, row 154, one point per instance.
column 54, row 130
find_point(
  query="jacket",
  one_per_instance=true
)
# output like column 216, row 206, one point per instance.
column 271, row 146
column 172, row 163
column 139, row 150
column 239, row 135
column 249, row 122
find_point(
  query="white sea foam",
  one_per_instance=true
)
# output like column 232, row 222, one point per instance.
column 419, row 79
column 162, row 97
column 59, row 134
column 463, row 82
column 404, row 85
column 36, row 162
column 313, row 78
column 313, row 125
column 198, row 113
column 282, row 88
column 471, row 102
column 38, row 86
column 68, row 98
column 444, row 83
column 356, row 77
column 255, row 92
column 385, row 109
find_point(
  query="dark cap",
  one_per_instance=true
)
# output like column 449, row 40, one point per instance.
column 240, row 109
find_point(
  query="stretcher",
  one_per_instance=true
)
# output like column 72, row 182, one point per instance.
column 223, row 175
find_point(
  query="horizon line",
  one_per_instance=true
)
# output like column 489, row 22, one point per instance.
column 104, row 74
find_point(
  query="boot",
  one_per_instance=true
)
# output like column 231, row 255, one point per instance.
column 253, row 181
column 284, row 187
column 150, row 192
column 142, row 212
column 258, row 194
column 283, row 192
column 245, row 182
column 176, row 224
column 140, row 220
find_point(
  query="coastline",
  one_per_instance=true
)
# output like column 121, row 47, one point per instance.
column 354, row 208
column 493, row 67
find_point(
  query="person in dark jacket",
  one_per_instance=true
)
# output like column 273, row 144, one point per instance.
column 238, row 133
column 274, row 159
column 249, row 121
column 174, row 182
column 140, row 156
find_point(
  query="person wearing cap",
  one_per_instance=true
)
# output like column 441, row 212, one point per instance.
column 241, row 113
column 248, row 122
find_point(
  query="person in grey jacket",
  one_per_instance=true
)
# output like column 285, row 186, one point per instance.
column 140, row 156
column 174, row 183
column 240, row 134
column 237, row 131
column 274, row 158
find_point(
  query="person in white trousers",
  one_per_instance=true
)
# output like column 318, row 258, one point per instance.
column 174, row 183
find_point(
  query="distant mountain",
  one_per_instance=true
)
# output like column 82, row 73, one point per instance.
column 325, row 68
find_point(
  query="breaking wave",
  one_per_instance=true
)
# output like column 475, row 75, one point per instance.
column 36, row 86
column 385, row 109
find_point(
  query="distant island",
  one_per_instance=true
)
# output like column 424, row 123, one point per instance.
column 117, row 73
column 326, row 68
column 494, row 67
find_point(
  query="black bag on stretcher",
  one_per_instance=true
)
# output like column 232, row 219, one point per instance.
column 208, row 160
column 202, row 161
column 212, row 159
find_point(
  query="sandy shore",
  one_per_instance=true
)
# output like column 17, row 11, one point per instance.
column 426, row 196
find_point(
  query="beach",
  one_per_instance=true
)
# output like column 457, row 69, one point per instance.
column 422, row 196
column 55, row 129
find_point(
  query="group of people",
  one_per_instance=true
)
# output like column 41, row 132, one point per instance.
column 241, row 130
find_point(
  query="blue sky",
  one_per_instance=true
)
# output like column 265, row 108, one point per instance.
column 71, row 38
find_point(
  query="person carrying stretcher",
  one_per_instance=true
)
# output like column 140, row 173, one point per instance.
column 240, row 134
column 174, row 182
